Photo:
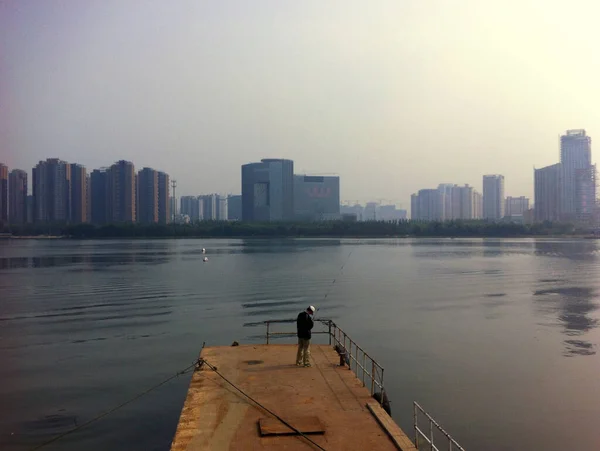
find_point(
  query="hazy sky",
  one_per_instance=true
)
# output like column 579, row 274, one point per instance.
column 393, row 96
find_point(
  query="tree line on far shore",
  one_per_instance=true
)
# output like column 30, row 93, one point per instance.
column 371, row 229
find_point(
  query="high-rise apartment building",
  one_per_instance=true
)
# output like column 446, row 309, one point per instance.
column 234, row 208
column 461, row 202
column 78, row 210
column 3, row 194
column 221, row 202
column 51, row 191
column 466, row 203
column 209, row 207
column 578, row 189
column 426, row 205
column 147, row 189
column 585, row 194
column 122, row 192
column 191, row 206
column 493, row 197
column 99, row 197
column 415, row 214
column 446, row 208
column 17, row 197
column 88, row 198
column 547, row 193
column 213, row 207
column 268, row 190
column 477, row 205
column 516, row 206
column 200, row 208
column 164, row 204
column 452, row 202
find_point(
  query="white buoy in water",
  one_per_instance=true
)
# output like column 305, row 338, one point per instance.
column 203, row 251
column 205, row 259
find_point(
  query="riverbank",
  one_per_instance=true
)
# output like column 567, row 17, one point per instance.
column 279, row 237
column 32, row 237
column 328, row 229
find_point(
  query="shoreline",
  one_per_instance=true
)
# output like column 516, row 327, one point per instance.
column 34, row 237
column 278, row 237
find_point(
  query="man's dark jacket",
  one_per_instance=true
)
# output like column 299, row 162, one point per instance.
column 304, row 323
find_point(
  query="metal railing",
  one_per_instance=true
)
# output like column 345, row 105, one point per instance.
column 365, row 368
column 451, row 444
column 370, row 373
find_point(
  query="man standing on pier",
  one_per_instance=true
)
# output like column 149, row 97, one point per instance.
column 304, row 323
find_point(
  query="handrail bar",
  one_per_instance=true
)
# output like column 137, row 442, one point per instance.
column 452, row 444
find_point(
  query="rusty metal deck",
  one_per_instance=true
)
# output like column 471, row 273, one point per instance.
column 217, row 417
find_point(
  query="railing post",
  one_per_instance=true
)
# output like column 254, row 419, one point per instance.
column 349, row 354
column 416, row 426
column 363, row 369
column 329, row 332
column 372, row 377
column 268, row 324
column 431, row 433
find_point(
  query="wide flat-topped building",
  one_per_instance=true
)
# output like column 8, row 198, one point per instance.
column 326, row 402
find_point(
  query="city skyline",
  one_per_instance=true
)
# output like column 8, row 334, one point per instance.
column 375, row 98
column 344, row 200
column 574, row 180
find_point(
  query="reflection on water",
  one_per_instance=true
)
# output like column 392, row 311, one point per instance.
column 55, row 424
column 586, row 250
column 579, row 347
column 95, row 262
column 571, row 305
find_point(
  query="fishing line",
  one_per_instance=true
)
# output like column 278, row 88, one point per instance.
column 330, row 287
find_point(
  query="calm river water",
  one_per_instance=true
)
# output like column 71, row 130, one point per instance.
column 498, row 339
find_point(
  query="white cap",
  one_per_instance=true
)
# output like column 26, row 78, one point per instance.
column 312, row 309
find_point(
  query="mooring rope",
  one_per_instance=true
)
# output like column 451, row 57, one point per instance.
column 114, row 409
